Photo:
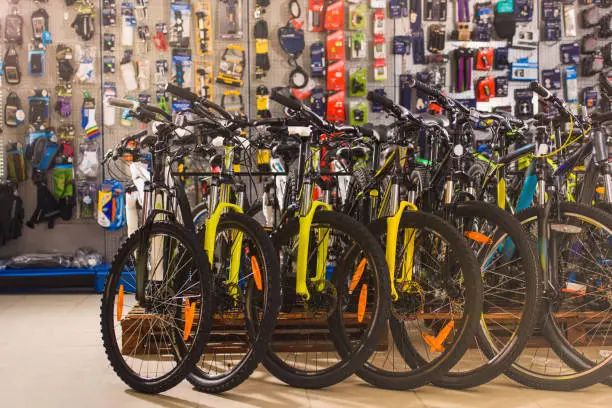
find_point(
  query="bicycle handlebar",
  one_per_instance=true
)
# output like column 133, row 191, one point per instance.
column 123, row 103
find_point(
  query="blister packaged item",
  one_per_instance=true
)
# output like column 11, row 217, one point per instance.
column 358, row 47
column 357, row 16
column 231, row 66
column 109, row 13
column 87, row 191
column 358, row 80
column 12, row 71
column 13, row 27
column 86, row 72
column 523, row 107
column 551, row 79
column 380, row 70
column 128, row 71
column 523, row 10
column 128, row 24
column 316, row 15
column 334, row 16
column 336, row 107
column 376, row 107
column 318, row 101
column 524, row 70
column 38, row 109
column 570, row 26
column 204, row 79
column 379, row 22
column 501, row 86
column 109, row 64
column 317, row 60
column 358, row 113
column 203, row 27
column 88, row 159
column 13, row 112
column 64, row 57
column 571, row 84
column 111, row 205
column 109, row 42
column 570, row 53
column 435, row 10
column 336, row 80
column 501, row 58
column 16, row 163
column 230, row 19
column 110, row 91
column 144, row 74
column 335, row 46
column 126, row 119
column 83, row 22
column 379, row 48
column 589, row 97
column 485, row 89
column 180, row 25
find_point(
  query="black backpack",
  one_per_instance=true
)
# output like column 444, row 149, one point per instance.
column 11, row 212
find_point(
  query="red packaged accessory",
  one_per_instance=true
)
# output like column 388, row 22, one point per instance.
column 336, row 107
column 484, row 59
column 336, row 78
column 301, row 94
column 335, row 46
column 159, row 40
column 334, row 16
column 485, row 89
column 315, row 15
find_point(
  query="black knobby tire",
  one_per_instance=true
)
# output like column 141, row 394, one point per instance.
column 426, row 373
column 359, row 355
column 499, row 360
column 586, row 375
column 259, row 336
column 185, row 362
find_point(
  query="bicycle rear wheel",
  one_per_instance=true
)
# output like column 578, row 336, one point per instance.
column 323, row 340
column 154, row 343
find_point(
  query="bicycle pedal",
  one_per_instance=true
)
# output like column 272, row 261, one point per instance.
column 565, row 228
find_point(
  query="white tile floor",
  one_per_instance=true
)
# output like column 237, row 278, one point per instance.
column 51, row 355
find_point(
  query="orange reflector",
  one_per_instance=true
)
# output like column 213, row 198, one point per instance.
column 357, row 275
column 120, row 303
column 436, row 342
column 600, row 190
column 189, row 316
column 478, row 237
column 363, row 299
column 256, row 272
column 574, row 292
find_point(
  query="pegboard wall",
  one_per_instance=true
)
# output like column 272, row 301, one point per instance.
column 134, row 67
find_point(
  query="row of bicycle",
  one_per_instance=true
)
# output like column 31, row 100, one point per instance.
column 446, row 249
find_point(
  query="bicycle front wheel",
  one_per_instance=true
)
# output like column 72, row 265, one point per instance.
column 154, row 342
column 322, row 340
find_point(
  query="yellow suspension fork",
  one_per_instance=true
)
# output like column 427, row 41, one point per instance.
column 391, row 246
column 501, row 188
column 301, row 287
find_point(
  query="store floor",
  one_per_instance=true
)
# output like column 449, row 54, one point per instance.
column 51, row 355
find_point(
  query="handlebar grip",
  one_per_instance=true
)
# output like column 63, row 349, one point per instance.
column 428, row 89
column 380, row 99
column 365, row 131
column 158, row 110
column 122, row 103
column 182, row 93
column 601, row 117
column 515, row 121
column 146, row 115
column 540, row 90
column 209, row 104
column 290, row 103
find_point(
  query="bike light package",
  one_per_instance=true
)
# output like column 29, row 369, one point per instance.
column 204, row 79
column 501, row 86
column 230, row 19
column 336, row 80
column 358, row 78
column 336, row 108
column 358, row 47
column 357, row 16
column 379, row 47
column 571, row 84
column 380, row 70
column 334, row 16
column 379, row 22
column 202, row 12
column 180, row 25
column 335, row 46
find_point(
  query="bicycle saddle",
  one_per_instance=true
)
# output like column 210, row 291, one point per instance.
column 435, row 120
